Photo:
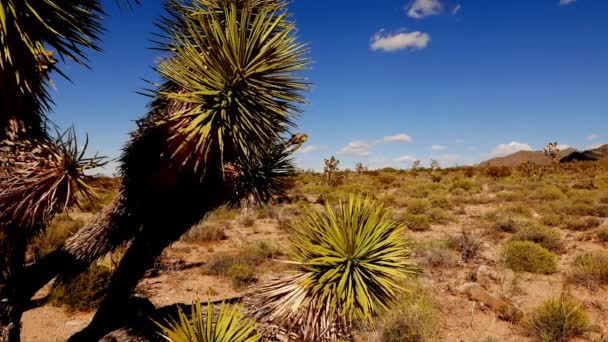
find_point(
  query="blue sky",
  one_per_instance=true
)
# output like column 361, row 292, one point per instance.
column 396, row 80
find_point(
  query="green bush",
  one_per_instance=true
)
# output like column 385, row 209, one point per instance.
column 415, row 222
column 508, row 223
column 84, row 291
column 413, row 319
column 510, row 196
column 558, row 320
column 590, row 269
column 527, row 256
column 542, row 235
column 440, row 216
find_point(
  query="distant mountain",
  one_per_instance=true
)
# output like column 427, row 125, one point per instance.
column 593, row 154
column 521, row 157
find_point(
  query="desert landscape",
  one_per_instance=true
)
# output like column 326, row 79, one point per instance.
column 304, row 171
column 473, row 232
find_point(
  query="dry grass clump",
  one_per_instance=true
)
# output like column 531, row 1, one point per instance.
column 465, row 184
column 51, row 238
column 527, row 256
column 413, row 319
column 590, row 269
column 247, row 220
column 580, row 223
column 243, row 267
column 437, row 254
column 558, row 320
column 542, row 235
column 501, row 221
column 84, row 291
column 548, row 193
column 510, row 196
column 205, row 231
column 415, row 222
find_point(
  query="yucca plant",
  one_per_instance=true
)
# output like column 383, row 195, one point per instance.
column 199, row 326
column 216, row 132
column 349, row 263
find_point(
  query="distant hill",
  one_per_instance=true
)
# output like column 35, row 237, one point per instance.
column 593, row 154
column 538, row 157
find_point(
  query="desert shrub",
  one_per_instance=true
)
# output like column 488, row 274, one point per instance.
column 510, row 196
column 247, row 220
column 527, row 256
column 551, row 193
column 602, row 234
column 551, row 219
column 438, row 201
column 578, row 209
column 477, row 199
column 242, row 268
column 417, row 206
column 521, row 209
column 504, row 222
column 579, row 223
column 415, row 222
column 436, row 177
column 558, row 320
column 469, row 171
column 440, row 216
column 468, row 243
column 413, row 319
column 83, row 291
column 437, row 254
column 603, row 199
column 498, row 171
column 600, row 210
column 51, row 238
column 590, row 269
column 464, row 184
column 542, row 235
column 223, row 214
column 205, row 232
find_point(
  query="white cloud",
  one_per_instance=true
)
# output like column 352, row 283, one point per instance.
column 472, row 148
column 357, row 148
column 459, row 141
column 512, row 147
column 402, row 137
column 311, row 148
column 563, row 146
column 566, row 2
column 438, row 147
column 448, row 158
column 591, row 147
column 398, row 41
column 403, row 159
column 425, row 8
column 456, row 9
column 592, row 137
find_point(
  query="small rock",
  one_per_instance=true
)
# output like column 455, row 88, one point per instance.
column 477, row 293
column 486, row 276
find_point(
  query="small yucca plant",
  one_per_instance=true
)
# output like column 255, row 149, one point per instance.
column 42, row 178
column 198, row 327
column 349, row 262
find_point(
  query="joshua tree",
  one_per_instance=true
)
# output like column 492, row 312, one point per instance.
column 330, row 166
column 39, row 175
column 552, row 152
column 435, row 165
column 528, row 168
column 215, row 133
column 360, row 168
column 416, row 165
